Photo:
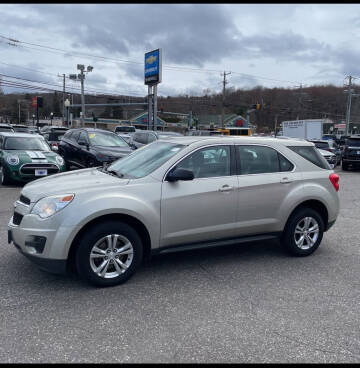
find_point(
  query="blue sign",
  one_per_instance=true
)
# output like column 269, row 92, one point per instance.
column 153, row 66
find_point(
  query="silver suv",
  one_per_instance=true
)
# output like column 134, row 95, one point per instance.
column 176, row 194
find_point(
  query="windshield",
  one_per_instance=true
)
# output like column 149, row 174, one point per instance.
column 106, row 139
column 21, row 130
column 353, row 142
column 145, row 160
column 26, row 143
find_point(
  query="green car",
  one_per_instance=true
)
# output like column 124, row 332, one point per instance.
column 24, row 157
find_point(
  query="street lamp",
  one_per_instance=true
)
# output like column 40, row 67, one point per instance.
column 81, row 77
column 67, row 104
column 51, row 117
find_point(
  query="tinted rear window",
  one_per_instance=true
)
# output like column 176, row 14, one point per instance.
column 311, row 154
column 321, row 145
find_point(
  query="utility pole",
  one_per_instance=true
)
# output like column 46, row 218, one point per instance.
column 276, row 121
column 348, row 107
column 299, row 110
column 223, row 98
column 63, row 99
column 82, row 77
column 19, row 112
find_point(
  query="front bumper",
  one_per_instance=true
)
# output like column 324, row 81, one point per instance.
column 43, row 241
column 57, row 266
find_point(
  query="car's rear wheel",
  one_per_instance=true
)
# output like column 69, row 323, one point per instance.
column 303, row 232
column 4, row 176
column 109, row 254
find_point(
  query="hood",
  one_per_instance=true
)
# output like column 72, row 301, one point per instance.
column 70, row 182
column 28, row 156
column 113, row 151
column 326, row 153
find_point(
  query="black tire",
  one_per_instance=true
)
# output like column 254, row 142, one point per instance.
column 67, row 166
column 91, row 163
column 88, row 241
column 4, row 177
column 288, row 237
column 345, row 166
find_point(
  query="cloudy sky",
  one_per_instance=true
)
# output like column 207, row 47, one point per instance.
column 261, row 44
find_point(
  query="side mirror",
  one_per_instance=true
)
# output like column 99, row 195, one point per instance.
column 82, row 143
column 180, row 174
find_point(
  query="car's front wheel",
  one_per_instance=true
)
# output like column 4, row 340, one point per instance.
column 303, row 232
column 109, row 253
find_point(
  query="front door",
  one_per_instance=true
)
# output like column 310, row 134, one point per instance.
column 204, row 208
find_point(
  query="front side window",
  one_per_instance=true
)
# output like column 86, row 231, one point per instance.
column 151, row 138
column 257, row 159
column 145, row 160
column 140, row 138
column 208, row 162
column 83, row 137
column 19, row 143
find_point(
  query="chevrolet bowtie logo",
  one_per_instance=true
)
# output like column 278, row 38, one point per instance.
column 151, row 59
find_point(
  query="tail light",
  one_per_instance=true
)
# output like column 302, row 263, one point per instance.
column 334, row 178
column 54, row 144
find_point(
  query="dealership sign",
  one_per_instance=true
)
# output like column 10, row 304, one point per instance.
column 153, row 67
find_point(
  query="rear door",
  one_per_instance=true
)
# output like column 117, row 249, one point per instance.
column 204, row 208
column 265, row 178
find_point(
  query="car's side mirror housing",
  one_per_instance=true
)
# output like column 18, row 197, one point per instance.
column 180, row 174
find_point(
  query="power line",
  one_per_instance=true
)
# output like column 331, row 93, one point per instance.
column 116, row 60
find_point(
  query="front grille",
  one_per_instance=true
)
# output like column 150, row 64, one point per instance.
column 30, row 168
column 17, row 218
column 24, row 200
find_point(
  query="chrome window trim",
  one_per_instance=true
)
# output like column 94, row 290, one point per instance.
column 266, row 145
column 197, row 149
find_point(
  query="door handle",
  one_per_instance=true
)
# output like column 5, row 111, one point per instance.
column 285, row 180
column 226, row 188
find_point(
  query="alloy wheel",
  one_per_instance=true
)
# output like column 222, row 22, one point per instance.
column 306, row 233
column 111, row 256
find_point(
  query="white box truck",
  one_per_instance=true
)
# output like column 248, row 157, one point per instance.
column 306, row 129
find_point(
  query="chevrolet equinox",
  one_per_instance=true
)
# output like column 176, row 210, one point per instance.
column 176, row 194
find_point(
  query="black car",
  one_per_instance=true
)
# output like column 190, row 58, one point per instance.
column 142, row 137
column 328, row 145
column 6, row 128
column 89, row 147
column 351, row 152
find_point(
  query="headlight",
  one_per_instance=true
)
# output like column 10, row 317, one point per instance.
column 47, row 206
column 13, row 160
column 59, row 160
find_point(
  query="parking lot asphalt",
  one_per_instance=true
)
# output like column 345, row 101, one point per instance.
column 248, row 303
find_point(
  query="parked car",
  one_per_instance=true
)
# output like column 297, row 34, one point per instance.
column 351, row 152
column 53, row 137
column 203, row 133
column 6, row 128
column 25, row 157
column 124, row 129
column 125, row 132
column 89, row 147
column 21, row 128
column 34, row 129
column 330, row 157
column 328, row 145
column 176, row 194
column 48, row 128
column 142, row 137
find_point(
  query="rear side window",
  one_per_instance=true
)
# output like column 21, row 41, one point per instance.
column 260, row 159
column 311, row 154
